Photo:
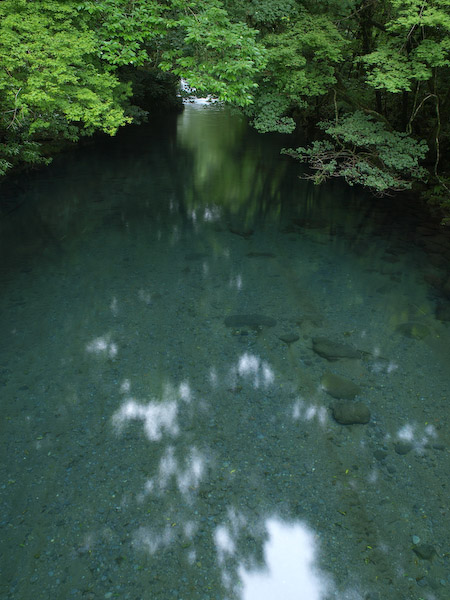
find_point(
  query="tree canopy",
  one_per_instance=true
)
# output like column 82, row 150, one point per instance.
column 63, row 62
column 372, row 77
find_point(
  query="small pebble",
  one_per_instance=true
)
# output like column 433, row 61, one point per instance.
column 425, row 551
column 403, row 447
column 380, row 454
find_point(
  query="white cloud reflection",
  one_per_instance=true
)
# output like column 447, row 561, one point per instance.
column 406, row 433
column 224, row 543
column 258, row 370
column 301, row 411
column 410, row 432
column 186, row 474
column 145, row 538
column 103, row 345
column 114, row 306
column 158, row 418
column 291, row 572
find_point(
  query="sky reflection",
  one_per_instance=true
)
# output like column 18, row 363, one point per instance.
column 157, row 417
column 258, row 371
column 291, row 571
column 103, row 346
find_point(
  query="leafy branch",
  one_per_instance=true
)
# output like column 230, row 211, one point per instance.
column 364, row 152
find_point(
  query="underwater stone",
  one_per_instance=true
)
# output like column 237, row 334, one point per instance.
column 289, row 338
column 338, row 387
column 380, row 454
column 351, row 413
column 425, row 551
column 414, row 330
column 403, row 447
column 437, row 446
column 252, row 321
column 334, row 350
column 245, row 233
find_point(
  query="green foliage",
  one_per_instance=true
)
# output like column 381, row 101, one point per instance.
column 389, row 68
column 302, row 59
column 50, row 84
column 215, row 55
column 363, row 151
column 22, row 150
column 301, row 63
column 415, row 40
column 268, row 114
column 125, row 31
column 50, row 73
column 63, row 64
column 267, row 13
column 72, row 67
column 438, row 195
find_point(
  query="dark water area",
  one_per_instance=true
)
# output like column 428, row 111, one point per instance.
column 217, row 381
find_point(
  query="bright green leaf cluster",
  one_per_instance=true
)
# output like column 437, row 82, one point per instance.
column 64, row 64
column 302, row 59
column 301, row 63
column 50, row 84
column 125, row 31
column 215, row 55
column 415, row 40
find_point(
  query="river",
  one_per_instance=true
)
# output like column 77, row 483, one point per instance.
column 219, row 382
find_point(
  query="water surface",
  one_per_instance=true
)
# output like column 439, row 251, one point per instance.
column 168, row 411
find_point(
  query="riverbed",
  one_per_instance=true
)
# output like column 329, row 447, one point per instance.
column 218, row 381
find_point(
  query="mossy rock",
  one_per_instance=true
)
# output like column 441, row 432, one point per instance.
column 339, row 387
column 334, row 350
column 351, row 413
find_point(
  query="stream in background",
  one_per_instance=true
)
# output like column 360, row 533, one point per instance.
column 217, row 381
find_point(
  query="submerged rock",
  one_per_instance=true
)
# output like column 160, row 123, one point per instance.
column 413, row 329
column 251, row 321
column 403, row 446
column 289, row 338
column 334, row 350
column 338, row 387
column 380, row 454
column 351, row 413
column 425, row 551
column 245, row 233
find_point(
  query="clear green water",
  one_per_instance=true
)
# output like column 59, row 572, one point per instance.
column 152, row 449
